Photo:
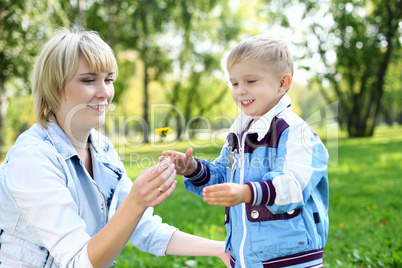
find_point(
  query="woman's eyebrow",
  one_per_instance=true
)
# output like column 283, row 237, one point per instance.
column 87, row 74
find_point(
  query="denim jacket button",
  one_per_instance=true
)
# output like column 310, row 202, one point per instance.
column 291, row 212
column 255, row 214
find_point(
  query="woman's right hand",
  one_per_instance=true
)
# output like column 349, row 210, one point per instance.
column 155, row 184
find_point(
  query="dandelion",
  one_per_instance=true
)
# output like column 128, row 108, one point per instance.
column 163, row 131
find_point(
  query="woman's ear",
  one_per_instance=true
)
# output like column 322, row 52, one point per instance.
column 285, row 83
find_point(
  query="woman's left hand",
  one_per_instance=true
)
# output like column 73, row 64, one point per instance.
column 225, row 257
column 155, row 184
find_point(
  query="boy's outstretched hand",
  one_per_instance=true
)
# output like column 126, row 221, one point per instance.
column 184, row 162
column 227, row 194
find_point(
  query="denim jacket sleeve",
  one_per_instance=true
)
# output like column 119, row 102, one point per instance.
column 150, row 235
column 36, row 180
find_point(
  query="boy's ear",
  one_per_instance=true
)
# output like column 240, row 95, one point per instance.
column 285, row 83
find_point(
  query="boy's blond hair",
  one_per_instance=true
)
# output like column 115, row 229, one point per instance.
column 272, row 51
column 57, row 63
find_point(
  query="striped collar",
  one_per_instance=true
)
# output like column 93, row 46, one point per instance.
column 262, row 125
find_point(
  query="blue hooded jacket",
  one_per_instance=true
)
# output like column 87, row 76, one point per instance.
column 284, row 163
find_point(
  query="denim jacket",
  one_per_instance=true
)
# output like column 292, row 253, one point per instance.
column 284, row 163
column 50, row 206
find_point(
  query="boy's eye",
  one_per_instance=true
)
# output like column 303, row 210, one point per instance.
column 251, row 81
column 234, row 84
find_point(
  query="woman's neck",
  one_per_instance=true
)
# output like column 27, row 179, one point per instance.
column 77, row 136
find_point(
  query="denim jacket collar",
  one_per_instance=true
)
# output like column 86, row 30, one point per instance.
column 59, row 139
column 64, row 146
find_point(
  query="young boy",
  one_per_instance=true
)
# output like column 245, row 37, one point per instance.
column 272, row 171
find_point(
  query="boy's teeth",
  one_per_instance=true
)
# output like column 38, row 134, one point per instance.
column 247, row 102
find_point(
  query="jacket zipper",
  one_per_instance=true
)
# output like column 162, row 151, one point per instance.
column 243, row 205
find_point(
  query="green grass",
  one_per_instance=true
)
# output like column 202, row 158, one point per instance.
column 365, row 199
column 365, row 178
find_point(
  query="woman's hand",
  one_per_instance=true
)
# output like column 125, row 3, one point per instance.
column 184, row 162
column 225, row 257
column 155, row 184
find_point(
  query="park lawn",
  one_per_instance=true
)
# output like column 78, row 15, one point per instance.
column 365, row 178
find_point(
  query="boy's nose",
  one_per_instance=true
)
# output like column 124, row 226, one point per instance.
column 242, row 90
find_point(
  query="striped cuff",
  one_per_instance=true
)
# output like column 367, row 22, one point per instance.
column 313, row 259
column 201, row 175
column 262, row 193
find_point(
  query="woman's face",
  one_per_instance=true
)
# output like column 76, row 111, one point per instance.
column 85, row 100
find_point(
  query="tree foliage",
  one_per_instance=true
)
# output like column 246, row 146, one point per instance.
column 24, row 26
column 174, row 43
column 357, row 42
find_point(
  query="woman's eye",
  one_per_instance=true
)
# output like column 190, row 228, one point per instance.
column 88, row 80
column 109, row 80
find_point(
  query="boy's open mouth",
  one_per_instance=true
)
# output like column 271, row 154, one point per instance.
column 247, row 102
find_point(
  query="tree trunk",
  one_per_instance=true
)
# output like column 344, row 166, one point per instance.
column 81, row 12
column 146, row 105
column 1, row 113
column 383, row 68
column 2, row 116
column 173, row 100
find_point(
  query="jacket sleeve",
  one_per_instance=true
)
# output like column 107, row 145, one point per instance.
column 207, row 173
column 36, row 180
column 150, row 235
column 300, row 166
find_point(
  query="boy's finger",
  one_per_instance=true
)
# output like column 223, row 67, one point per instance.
column 214, row 188
column 189, row 153
column 161, row 158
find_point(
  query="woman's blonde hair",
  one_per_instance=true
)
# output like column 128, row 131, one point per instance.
column 272, row 51
column 57, row 63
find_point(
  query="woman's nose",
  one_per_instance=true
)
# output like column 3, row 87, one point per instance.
column 104, row 90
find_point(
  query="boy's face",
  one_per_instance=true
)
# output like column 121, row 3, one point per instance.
column 255, row 89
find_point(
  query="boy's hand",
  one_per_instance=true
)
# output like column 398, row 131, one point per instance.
column 227, row 194
column 184, row 162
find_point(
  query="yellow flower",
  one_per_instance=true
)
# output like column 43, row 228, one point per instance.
column 163, row 131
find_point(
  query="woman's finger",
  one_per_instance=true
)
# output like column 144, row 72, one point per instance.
column 163, row 194
column 156, row 170
column 166, row 184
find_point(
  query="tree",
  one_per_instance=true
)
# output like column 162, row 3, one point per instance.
column 136, row 26
column 150, row 26
column 357, row 41
column 198, row 86
column 24, row 26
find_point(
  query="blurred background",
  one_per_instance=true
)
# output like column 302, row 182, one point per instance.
column 171, row 56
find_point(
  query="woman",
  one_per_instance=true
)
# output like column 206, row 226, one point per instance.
column 65, row 197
